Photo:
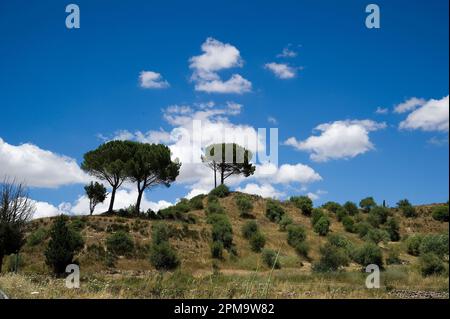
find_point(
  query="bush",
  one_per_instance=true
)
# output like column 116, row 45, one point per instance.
column 37, row 237
column 63, row 245
column 183, row 206
column 222, row 231
column 163, row 256
column 362, row 228
column 217, row 250
column 270, row 258
column 304, row 203
column 351, row 208
column 331, row 207
column 274, row 212
column 160, row 233
column 367, row 204
column 296, row 234
column 331, row 259
column 120, row 244
column 393, row 257
column 339, row 241
column 214, row 208
column 322, row 227
column 245, row 205
column 377, row 235
column 377, row 216
column 349, row 224
column 220, row 191
column 436, row 244
column 77, row 224
column 368, row 254
column 413, row 244
column 196, row 202
column 257, row 242
column 341, row 213
column 406, row 208
column 316, row 214
column 249, row 229
column 302, row 248
column 431, row 264
column 440, row 213
column 285, row 222
column 393, row 229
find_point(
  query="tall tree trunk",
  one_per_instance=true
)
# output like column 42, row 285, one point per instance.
column 222, row 177
column 138, row 201
column 215, row 175
column 111, row 202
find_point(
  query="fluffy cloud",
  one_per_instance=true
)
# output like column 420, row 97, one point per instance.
column 264, row 190
column 218, row 56
column 381, row 110
column 286, row 174
column 409, row 105
column 37, row 167
column 287, row 53
column 152, row 80
column 337, row 140
column 281, row 70
column 431, row 116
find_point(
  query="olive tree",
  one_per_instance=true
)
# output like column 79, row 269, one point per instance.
column 16, row 209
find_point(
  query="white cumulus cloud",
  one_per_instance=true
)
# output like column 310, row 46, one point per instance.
column 409, row 105
column 152, row 80
column 38, row 167
column 338, row 140
column 264, row 190
column 281, row 70
column 431, row 116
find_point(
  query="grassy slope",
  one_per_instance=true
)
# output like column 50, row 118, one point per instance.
column 244, row 276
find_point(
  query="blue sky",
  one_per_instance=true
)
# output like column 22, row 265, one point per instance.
column 62, row 91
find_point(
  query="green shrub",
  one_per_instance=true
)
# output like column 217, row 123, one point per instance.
column 222, row 231
column 332, row 258
column 413, row 243
column 367, row 204
column 351, row 208
column 216, row 218
column 160, row 233
column 77, row 224
column 63, row 245
column 285, row 222
column 341, row 213
column 378, row 216
column 274, row 212
column 270, row 258
column 245, row 205
column 302, row 248
column 304, row 203
column 368, row 254
column 362, row 228
column 249, row 229
column 377, row 235
column 393, row 257
column 296, row 234
column 163, row 257
column 196, row 202
column 220, row 191
column 316, row 214
column 214, row 208
column 393, row 229
column 332, row 207
column 120, row 244
column 436, row 244
column 440, row 213
column 37, row 237
column 183, row 206
column 217, row 250
column 339, row 241
column 257, row 242
column 431, row 264
column 406, row 208
column 322, row 227
column 14, row 263
column 349, row 224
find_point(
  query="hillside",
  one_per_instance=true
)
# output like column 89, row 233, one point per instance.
column 244, row 274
